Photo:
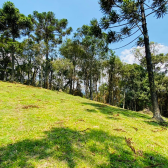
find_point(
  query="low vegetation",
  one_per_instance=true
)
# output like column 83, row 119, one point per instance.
column 44, row 128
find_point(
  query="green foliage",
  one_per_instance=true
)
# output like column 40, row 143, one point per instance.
column 47, row 27
column 13, row 21
column 62, row 65
column 126, row 15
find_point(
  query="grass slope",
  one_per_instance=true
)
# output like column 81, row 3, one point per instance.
column 42, row 128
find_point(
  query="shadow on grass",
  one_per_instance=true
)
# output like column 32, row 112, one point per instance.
column 91, row 110
column 113, row 118
column 105, row 109
column 157, row 124
column 93, row 147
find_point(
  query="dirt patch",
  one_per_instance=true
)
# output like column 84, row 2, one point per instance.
column 59, row 122
column 30, row 106
column 119, row 130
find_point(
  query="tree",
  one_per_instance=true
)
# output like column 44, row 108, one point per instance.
column 47, row 28
column 4, row 57
column 63, row 67
column 72, row 50
column 33, row 55
column 159, row 60
column 135, row 87
column 94, row 50
column 130, row 13
column 113, row 67
column 13, row 24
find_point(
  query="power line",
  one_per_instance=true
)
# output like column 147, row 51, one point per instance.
column 127, row 44
column 119, row 25
column 131, row 34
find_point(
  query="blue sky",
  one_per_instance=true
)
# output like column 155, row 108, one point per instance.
column 79, row 12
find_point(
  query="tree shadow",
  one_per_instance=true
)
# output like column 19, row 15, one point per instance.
column 157, row 124
column 91, row 110
column 113, row 118
column 105, row 109
column 95, row 148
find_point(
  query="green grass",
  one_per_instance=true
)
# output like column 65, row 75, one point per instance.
column 43, row 129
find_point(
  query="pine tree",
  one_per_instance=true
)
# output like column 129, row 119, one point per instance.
column 127, row 14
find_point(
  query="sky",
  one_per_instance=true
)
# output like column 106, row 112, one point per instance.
column 80, row 12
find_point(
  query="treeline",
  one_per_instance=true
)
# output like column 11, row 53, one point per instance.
column 82, row 65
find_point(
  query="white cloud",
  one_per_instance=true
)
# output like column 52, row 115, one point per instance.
column 162, row 49
column 128, row 57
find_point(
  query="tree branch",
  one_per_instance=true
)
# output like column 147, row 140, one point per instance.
column 3, row 24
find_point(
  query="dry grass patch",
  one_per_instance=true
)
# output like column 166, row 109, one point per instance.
column 30, row 106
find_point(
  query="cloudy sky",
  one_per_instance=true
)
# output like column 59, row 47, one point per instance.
column 127, row 55
column 79, row 12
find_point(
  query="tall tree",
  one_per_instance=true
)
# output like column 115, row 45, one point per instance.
column 130, row 13
column 63, row 68
column 47, row 28
column 114, row 66
column 14, row 24
column 4, row 57
column 94, row 48
column 72, row 50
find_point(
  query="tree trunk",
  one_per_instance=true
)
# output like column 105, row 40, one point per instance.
column 124, row 100
column 91, row 85
column 41, row 81
column 96, row 90
column 156, row 111
column 4, row 68
column 29, row 71
column 40, row 77
column 86, row 86
column 34, row 77
column 51, row 79
column 22, row 77
column 110, row 88
column 13, row 63
column 5, row 74
column 70, row 91
column 61, row 83
column 46, row 84
column 74, row 79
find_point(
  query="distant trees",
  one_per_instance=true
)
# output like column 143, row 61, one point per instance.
column 113, row 66
column 47, row 28
column 72, row 50
column 13, row 24
column 5, row 59
column 64, row 69
column 93, row 51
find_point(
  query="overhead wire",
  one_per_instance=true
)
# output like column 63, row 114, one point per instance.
column 127, row 43
column 131, row 34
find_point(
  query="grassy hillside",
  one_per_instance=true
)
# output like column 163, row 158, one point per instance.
column 41, row 128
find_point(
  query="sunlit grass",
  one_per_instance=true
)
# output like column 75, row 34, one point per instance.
column 43, row 128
